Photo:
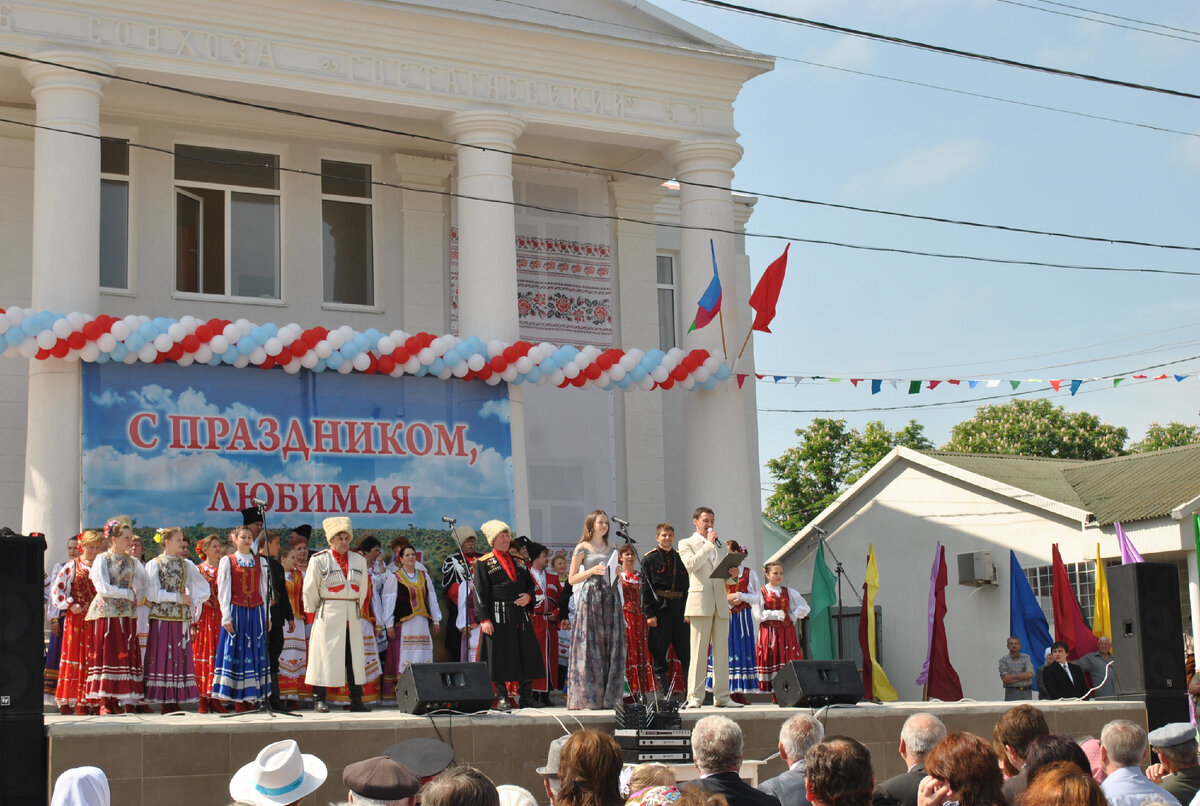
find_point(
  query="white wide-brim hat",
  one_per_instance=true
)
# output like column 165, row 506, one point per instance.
column 280, row 774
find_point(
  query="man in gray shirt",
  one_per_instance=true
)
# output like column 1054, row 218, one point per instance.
column 1096, row 664
column 1016, row 672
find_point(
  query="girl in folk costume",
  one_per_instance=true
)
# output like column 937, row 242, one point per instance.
column 71, row 594
column 176, row 590
column 411, row 616
column 137, row 550
column 741, row 589
column 639, row 673
column 55, row 616
column 546, row 590
column 206, row 630
column 335, row 590
column 115, row 660
column 242, row 673
column 778, row 609
column 294, row 659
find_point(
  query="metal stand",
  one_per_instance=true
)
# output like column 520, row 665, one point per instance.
column 622, row 532
column 840, row 570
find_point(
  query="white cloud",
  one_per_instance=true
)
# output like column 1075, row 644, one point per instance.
column 108, row 398
column 495, row 408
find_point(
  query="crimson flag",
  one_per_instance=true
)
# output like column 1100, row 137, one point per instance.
column 1069, row 624
column 766, row 293
column 943, row 683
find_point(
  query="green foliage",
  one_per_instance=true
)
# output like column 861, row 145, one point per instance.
column 1172, row 435
column 829, row 459
column 1026, row 427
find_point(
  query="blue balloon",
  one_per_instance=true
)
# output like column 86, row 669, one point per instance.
column 637, row 373
column 135, row 342
column 246, row 345
column 148, row 331
column 437, row 367
column 319, row 366
column 230, row 355
column 119, row 352
column 349, row 350
column 534, row 375
column 216, row 361
column 272, row 329
column 362, row 342
column 625, row 382
column 334, row 361
column 14, row 335
column 709, row 384
column 452, row 357
column 103, row 358
column 722, row 374
column 31, row 326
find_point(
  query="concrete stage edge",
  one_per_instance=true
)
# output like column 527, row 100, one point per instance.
column 188, row 759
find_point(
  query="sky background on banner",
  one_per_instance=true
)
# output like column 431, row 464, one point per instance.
column 835, row 136
column 162, row 487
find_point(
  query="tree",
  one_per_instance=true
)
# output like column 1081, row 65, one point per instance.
column 1026, row 427
column 1172, row 435
column 830, row 458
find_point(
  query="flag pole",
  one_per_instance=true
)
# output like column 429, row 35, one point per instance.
column 721, row 322
column 749, row 333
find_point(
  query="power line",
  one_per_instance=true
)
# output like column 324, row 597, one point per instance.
column 947, row 51
column 1119, row 17
column 1100, row 22
column 627, row 219
column 591, row 167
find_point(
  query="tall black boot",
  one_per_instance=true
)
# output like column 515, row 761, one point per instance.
column 525, row 694
column 319, row 705
column 356, row 701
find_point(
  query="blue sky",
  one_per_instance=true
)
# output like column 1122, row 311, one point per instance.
column 835, row 136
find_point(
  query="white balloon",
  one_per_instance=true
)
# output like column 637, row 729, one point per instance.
column 445, row 374
column 185, row 360
column 242, row 361
column 12, row 351
column 646, row 384
column 460, row 369
column 346, row 368
column 426, row 356
column 273, row 346
column 232, row 332
column 120, row 331
column 293, row 366
column 492, row 379
column 660, row 373
column 711, row 364
column 219, row 344
column 336, row 339
column 412, row 365
column 148, row 353
column 189, row 323
column 162, row 342
column 476, row 362
column 176, row 332
column 627, row 362
column 701, row 374
column 523, row 364
column 15, row 315
column 77, row 319
column 616, row 372
column 687, row 383
column 90, row 351
column 106, row 343
column 245, row 325
column 398, row 336
column 130, row 358
column 494, row 348
column 28, row 348
column 509, row 374
column 362, row 362
column 45, row 339
column 323, row 349
column 570, row 370
column 308, row 360
column 258, row 356
column 203, row 354
column 5, row 323
column 556, row 377
column 61, row 328
column 439, row 346
column 386, row 345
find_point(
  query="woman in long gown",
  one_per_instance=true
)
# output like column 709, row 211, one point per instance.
column 596, row 670
column 175, row 588
column 72, row 594
column 411, row 617
column 777, row 610
column 293, row 660
column 639, row 673
column 242, row 675
column 207, row 625
column 115, row 660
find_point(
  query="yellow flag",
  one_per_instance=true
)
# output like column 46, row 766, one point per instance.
column 879, row 681
column 1101, row 619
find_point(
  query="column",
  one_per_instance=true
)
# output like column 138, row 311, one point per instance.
column 66, row 278
column 487, row 259
column 424, row 216
column 715, row 454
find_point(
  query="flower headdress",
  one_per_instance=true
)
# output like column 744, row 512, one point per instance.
column 111, row 526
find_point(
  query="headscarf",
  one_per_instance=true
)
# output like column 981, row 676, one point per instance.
column 654, row 796
column 81, row 786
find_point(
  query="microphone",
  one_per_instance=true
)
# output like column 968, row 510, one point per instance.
column 619, row 522
column 258, row 502
column 449, row 520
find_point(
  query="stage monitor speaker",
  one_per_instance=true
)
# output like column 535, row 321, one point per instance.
column 22, row 760
column 426, row 687
column 1148, row 627
column 22, row 615
column 817, row 682
column 1161, row 708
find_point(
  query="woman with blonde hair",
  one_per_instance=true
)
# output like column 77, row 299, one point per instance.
column 589, row 770
column 175, row 589
column 596, row 669
column 962, row 768
column 115, row 660
column 72, row 593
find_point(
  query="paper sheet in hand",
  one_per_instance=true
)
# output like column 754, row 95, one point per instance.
column 732, row 559
column 612, row 575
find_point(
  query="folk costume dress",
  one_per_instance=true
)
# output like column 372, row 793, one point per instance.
column 511, row 651
column 777, row 611
column 170, row 667
column 206, row 632
column 410, row 607
column 743, row 659
column 54, row 645
column 596, row 671
column 293, row 661
column 242, row 672
column 73, row 586
column 639, row 670
column 115, row 660
column 545, row 603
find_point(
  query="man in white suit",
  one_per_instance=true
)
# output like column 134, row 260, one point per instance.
column 707, row 611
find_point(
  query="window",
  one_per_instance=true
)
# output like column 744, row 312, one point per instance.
column 346, row 233
column 667, row 337
column 226, row 222
column 1083, row 583
column 114, row 214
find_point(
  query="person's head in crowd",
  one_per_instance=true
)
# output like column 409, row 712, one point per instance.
column 920, row 734
column 380, row 781
column 664, row 536
column 1063, row 784
column 460, row 786
column 559, row 564
column 589, row 770
column 1176, row 746
column 72, row 547
column 1122, row 744
column 693, row 795
column 81, row 786
column 1016, row 728
column 1059, row 651
column 717, row 745
column 280, row 775
column 837, row 772
column 539, row 556
column 549, row 772
column 1091, row 748
column 91, row 545
column 645, row 776
column 209, row 549
column 269, row 545
column 967, row 765
column 370, row 548
column 1053, row 748
column 797, row 735
column 512, row 795
column 627, row 558
column 424, row 757
column 667, row 795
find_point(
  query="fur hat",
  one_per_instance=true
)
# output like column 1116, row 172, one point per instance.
column 251, row 515
column 304, row 530
column 493, row 528
column 336, row 525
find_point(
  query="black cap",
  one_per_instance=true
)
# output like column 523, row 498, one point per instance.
column 304, row 530
column 251, row 515
column 425, row 757
column 381, row 778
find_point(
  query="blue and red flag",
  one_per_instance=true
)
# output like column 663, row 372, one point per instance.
column 710, row 304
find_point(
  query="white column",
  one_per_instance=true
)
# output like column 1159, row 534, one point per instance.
column 714, row 432
column 424, row 221
column 487, row 259
column 66, row 278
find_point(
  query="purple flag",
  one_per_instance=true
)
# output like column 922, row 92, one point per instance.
column 1128, row 553
column 923, row 677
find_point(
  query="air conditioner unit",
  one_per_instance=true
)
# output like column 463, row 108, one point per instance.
column 976, row 569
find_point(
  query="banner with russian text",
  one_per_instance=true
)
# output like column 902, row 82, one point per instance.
column 176, row 446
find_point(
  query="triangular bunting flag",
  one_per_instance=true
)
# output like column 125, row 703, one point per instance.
column 914, row 387
column 855, row 381
column 1054, row 384
column 1161, row 378
column 934, row 384
column 1075, row 386
column 876, row 385
column 893, row 382
column 778, row 378
column 1014, row 384
column 760, row 377
column 1117, row 381
column 741, row 379
column 993, row 384
column 973, row 384
column 1180, row 377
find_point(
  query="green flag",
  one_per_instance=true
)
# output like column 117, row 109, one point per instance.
column 821, row 601
column 1195, row 531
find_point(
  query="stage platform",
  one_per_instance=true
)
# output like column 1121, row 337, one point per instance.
column 187, row 759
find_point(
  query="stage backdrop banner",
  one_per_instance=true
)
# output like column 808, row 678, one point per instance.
column 175, row 446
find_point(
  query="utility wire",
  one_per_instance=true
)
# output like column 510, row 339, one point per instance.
column 1119, row 17
column 965, row 54
column 627, row 219
column 1100, row 22
column 591, row 167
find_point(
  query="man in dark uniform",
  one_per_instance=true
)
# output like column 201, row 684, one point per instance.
column 281, row 605
column 663, row 600
column 456, row 571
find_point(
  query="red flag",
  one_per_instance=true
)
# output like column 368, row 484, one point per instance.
column 868, row 671
column 943, row 681
column 1069, row 625
column 766, row 293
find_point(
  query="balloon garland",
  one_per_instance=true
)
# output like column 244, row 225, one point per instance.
column 241, row 343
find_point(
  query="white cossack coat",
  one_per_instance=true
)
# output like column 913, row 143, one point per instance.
column 336, row 603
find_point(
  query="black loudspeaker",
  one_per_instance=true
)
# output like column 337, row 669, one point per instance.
column 1161, row 708
column 1148, row 627
column 22, row 760
column 426, row 687
column 817, row 682
column 22, row 615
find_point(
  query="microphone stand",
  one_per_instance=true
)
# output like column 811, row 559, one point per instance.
column 841, row 572
column 644, row 583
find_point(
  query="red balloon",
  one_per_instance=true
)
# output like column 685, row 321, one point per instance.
column 511, row 354
column 161, row 357
column 592, row 372
column 387, row 364
column 204, row 334
column 484, row 373
column 216, row 325
column 401, row 355
column 91, row 331
column 77, row 340
column 310, row 337
column 176, row 352
column 667, row 384
column 284, row 357
column 42, row 355
column 373, row 367
column 299, row 347
column 412, row 344
column 190, row 343
column 679, row 373
column 268, row 363
column 579, row 380
column 60, row 349
column 499, row 364
column 604, row 360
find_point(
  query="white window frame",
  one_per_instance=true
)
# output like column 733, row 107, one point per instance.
column 673, row 287
column 373, row 203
